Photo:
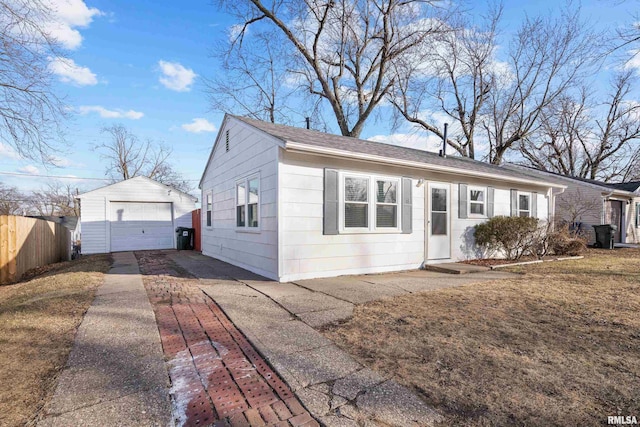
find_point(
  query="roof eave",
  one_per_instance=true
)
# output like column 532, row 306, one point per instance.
column 332, row 152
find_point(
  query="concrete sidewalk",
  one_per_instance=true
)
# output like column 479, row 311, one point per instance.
column 278, row 317
column 115, row 375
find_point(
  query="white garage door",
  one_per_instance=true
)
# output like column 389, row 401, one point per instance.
column 141, row 226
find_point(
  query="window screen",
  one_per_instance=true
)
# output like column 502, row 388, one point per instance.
column 476, row 201
column 253, row 202
column 241, row 198
column 356, row 206
column 386, row 204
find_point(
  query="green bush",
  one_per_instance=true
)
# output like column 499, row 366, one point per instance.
column 512, row 235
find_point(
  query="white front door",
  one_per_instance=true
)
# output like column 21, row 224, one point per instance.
column 141, row 226
column 438, row 221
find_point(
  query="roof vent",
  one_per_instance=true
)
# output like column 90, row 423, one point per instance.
column 227, row 141
column 443, row 152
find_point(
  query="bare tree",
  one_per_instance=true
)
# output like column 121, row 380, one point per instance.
column 56, row 199
column 547, row 58
column 129, row 157
column 12, row 201
column 587, row 139
column 30, row 110
column 453, row 75
column 344, row 49
column 496, row 99
column 253, row 81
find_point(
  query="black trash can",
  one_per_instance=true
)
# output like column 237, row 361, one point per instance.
column 604, row 236
column 184, row 238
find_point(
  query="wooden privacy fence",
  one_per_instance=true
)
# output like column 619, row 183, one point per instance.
column 196, row 222
column 27, row 243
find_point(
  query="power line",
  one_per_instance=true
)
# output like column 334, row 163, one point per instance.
column 68, row 177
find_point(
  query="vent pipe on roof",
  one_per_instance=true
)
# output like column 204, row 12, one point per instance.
column 308, row 120
column 443, row 152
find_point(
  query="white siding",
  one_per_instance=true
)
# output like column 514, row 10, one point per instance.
column 307, row 253
column 95, row 209
column 590, row 202
column 633, row 232
column 462, row 245
column 250, row 152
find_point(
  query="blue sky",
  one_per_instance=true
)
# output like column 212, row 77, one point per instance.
column 139, row 63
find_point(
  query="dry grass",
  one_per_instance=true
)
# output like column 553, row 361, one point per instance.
column 560, row 346
column 38, row 321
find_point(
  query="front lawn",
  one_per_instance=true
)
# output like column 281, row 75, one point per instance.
column 559, row 346
column 38, row 321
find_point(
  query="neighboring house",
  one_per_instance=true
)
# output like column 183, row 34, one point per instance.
column 136, row 214
column 589, row 202
column 291, row 203
column 70, row 222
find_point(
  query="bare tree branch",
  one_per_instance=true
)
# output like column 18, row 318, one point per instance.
column 584, row 138
column 31, row 112
column 345, row 49
column 128, row 157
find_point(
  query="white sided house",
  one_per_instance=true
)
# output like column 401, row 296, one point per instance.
column 587, row 202
column 291, row 203
column 136, row 214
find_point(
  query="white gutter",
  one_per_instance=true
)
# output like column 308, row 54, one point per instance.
column 332, row 152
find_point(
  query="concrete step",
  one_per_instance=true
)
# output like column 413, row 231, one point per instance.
column 455, row 268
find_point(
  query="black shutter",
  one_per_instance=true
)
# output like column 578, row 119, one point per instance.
column 331, row 202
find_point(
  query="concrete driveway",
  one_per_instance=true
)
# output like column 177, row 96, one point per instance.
column 321, row 301
column 281, row 320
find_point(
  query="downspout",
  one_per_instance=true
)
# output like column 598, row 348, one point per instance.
column 552, row 193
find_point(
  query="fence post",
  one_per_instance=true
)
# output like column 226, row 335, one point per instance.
column 4, row 249
column 11, row 248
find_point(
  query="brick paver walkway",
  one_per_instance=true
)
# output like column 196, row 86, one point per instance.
column 217, row 376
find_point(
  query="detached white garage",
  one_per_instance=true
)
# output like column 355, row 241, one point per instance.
column 136, row 214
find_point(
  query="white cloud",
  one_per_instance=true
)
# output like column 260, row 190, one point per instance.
column 70, row 72
column 110, row 114
column 234, row 31
column 175, row 76
column 634, row 60
column 199, row 125
column 7, row 152
column 67, row 16
column 30, row 169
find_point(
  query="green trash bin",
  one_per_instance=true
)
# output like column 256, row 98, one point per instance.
column 184, row 238
column 604, row 236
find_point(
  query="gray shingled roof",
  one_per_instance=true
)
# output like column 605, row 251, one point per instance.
column 559, row 178
column 361, row 146
column 626, row 186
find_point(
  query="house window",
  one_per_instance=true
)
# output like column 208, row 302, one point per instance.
column 241, row 201
column 386, row 204
column 637, row 215
column 524, row 205
column 209, row 206
column 356, row 202
column 370, row 203
column 248, row 202
column 252, row 203
column 477, row 200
